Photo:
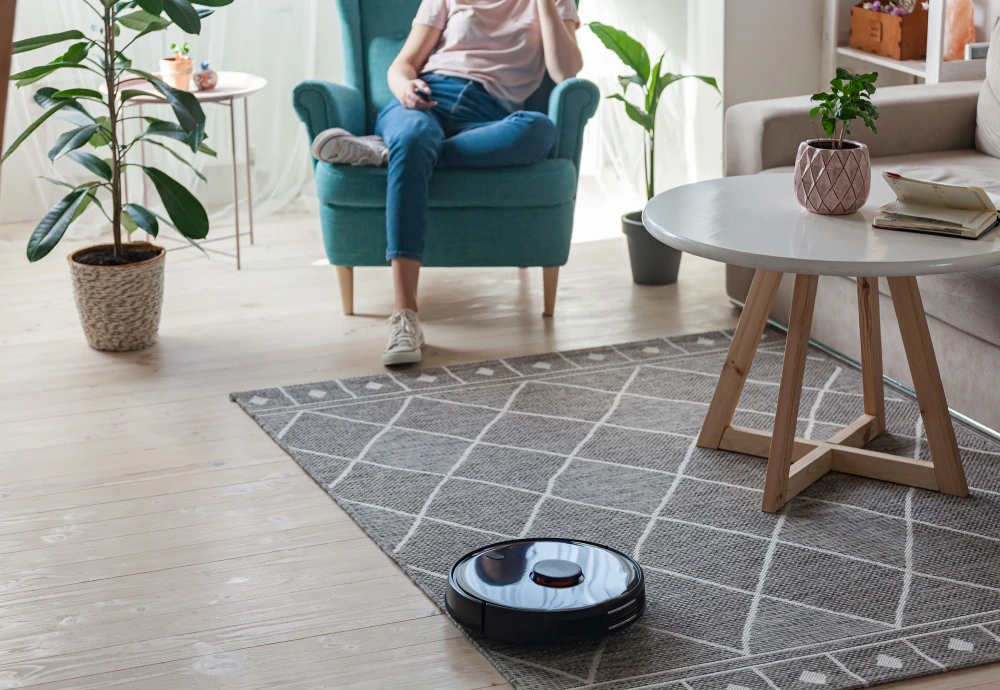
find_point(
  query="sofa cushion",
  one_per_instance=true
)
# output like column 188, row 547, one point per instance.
column 988, row 110
column 967, row 301
column 547, row 183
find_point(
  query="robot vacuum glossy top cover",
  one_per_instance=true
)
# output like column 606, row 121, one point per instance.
column 546, row 591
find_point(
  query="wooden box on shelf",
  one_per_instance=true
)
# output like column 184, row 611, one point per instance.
column 899, row 38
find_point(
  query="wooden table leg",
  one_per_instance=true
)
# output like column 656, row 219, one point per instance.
column 927, row 384
column 870, row 326
column 779, row 459
column 741, row 353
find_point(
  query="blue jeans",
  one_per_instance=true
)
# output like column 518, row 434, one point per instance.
column 468, row 128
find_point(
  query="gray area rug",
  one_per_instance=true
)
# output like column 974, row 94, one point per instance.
column 857, row 582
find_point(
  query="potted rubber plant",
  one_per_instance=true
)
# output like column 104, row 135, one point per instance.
column 653, row 263
column 119, row 286
column 833, row 175
column 178, row 69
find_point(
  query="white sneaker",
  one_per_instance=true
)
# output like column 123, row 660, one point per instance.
column 343, row 148
column 406, row 338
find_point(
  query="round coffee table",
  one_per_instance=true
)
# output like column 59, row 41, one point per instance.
column 755, row 221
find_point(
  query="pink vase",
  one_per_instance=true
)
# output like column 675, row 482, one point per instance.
column 832, row 181
column 959, row 28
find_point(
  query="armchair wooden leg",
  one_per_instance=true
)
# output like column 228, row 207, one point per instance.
column 550, row 280
column 345, row 275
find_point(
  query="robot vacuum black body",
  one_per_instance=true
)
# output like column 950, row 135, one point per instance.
column 546, row 591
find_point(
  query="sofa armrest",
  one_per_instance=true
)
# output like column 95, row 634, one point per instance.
column 571, row 105
column 914, row 119
column 322, row 105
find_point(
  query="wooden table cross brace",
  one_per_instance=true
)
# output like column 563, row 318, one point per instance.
column 795, row 463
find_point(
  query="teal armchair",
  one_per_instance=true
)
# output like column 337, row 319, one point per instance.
column 519, row 216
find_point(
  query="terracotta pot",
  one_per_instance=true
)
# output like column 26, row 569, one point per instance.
column 177, row 72
column 119, row 306
column 832, row 181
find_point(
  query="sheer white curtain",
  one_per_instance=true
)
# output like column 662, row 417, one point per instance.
column 689, row 124
column 284, row 41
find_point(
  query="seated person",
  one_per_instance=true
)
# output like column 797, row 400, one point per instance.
column 460, row 82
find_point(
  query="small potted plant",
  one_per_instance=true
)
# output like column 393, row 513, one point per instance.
column 653, row 263
column 178, row 70
column 833, row 175
column 119, row 286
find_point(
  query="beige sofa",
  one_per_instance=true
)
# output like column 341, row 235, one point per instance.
column 928, row 132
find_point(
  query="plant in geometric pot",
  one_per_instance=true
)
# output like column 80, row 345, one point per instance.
column 118, row 287
column 653, row 263
column 833, row 175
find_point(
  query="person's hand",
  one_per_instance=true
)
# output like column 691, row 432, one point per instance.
column 411, row 100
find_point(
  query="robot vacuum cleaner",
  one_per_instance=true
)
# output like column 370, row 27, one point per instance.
column 546, row 591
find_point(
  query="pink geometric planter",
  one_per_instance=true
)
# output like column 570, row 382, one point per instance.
column 832, row 181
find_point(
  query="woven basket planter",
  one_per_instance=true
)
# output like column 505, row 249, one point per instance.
column 119, row 306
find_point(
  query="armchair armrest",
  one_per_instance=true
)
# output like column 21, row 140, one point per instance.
column 571, row 105
column 914, row 119
column 322, row 105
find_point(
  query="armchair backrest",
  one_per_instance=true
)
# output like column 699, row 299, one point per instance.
column 373, row 33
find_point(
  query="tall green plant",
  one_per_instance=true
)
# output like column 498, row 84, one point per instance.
column 97, row 120
column 849, row 99
column 651, row 80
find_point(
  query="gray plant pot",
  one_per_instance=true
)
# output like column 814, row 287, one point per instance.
column 653, row 263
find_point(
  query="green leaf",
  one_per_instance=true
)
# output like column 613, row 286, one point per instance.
column 76, row 53
column 92, row 163
column 844, row 74
column 72, row 111
column 71, row 141
column 144, row 218
column 630, row 79
column 184, row 15
column 814, row 112
column 47, row 40
column 89, row 197
column 30, row 76
column 129, row 94
column 829, row 125
column 79, row 93
column 128, row 222
column 53, row 226
column 670, row 78
column 186, row 107
column 177, row 156
column 654, row 90
column 182, row 206
column 32, row 127
column 154, row 7
column 625, row 47
column 637, row 115
column 102, row 137
column 144, row 21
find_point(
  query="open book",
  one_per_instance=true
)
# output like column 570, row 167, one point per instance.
column 941, row 209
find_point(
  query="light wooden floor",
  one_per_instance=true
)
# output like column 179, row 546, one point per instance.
column 151, row 536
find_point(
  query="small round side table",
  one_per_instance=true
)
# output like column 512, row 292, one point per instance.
column 233, row 86
column 755, row 221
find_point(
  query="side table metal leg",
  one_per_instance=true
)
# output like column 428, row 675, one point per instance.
column 249, row 161
column 236, row 179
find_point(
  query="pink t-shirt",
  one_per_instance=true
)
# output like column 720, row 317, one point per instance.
column 495, row 42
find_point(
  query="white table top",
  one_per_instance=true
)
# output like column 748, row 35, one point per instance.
column 232, row 85
column 756, row 222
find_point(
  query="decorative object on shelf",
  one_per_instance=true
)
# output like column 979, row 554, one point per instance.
column 833, row 175
column 889, row 29
column 959, row 28
column 207, row 79
column 119, row 286
column 178, row 70
column 653, row 263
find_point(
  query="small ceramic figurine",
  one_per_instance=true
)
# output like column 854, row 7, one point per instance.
column 206, row 79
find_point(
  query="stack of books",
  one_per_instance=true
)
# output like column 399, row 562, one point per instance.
column 940, row 209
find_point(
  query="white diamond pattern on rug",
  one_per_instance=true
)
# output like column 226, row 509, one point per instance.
column 960, row 645
column 887, row 661
column 316, row 394
column 836, row 584
column 813, row 678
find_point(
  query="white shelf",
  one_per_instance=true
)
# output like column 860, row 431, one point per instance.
column 917, row 68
